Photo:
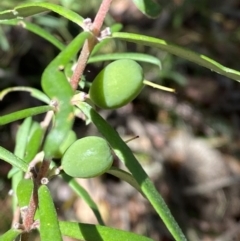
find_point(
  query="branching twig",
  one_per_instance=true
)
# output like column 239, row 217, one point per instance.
column 16, row 216
column 90, row 43
column 28, row 220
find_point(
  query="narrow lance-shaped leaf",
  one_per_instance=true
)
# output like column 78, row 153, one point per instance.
column 81, row 192
column 18, row 115
column 90, row 232
column 10, row 235
column 34, row 141
column 125, row 176
column 16, row 178
column 24, row 192
column 4, row 45
column 148, row 7
column 22, row 137
column 29, row 9
column 20, row 146
column 12, row 159
column 49, row 225
column 33, row 145
column 37, row 30
column 180, row 52
column 134, row 56
column 56, row 86
column 125, row 154
column 34, row 93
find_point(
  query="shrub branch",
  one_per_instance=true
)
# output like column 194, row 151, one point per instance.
column 90, row 43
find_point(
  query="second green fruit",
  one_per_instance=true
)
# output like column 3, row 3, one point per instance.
column 87, row 157
column 117, row 84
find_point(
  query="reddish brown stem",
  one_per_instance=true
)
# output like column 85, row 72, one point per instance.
column 25, row 237
column 43, row 170
column 82, row 62
column 28, row 220
column 90, row 43
column 33, row 204
column 101, row 14
column 16, row 216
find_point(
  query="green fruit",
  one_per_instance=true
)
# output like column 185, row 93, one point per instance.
column 117, row 84
column 87, row 157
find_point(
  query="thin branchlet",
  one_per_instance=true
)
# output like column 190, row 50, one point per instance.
column 90, row 43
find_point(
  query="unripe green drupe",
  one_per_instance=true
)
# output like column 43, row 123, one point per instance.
column 117, row 84
column 87, row 157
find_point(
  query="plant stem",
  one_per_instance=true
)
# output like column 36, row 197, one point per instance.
column 102, row 12
column 25, row 237
column 16, row 216
column 28, row 220
column 90, row 43
column 33, row 204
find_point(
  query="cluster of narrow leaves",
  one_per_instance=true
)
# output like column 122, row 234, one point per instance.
column 116, row 85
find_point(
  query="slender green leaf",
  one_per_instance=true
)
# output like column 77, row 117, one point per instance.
column 12, row 172
column 181, row 52
column 29, row 9
column 148, row 7
column 125, row 176
column 12, row 159
column 49, row 225
column 51, row 84
column 116, row 27
column 20, row 146
column 125, row 154
column 56, row 85
column 18, row 115
column 134, row 56
column 34, row 93
column 82, row 193
column 22, row 137
column 10, row 235
column 34, row 142
column 16, row 178
column 4, row 45
column 40, row 32
column 24, row 192
column 90, row 232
